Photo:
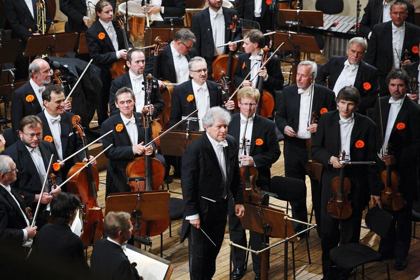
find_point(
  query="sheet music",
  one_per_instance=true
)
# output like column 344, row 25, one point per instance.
column 147, row 267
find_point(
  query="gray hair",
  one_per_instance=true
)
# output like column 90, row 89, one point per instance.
column 35, row 66
column 194, row 60
column 5, row 162
column 359, row 41
column 184, row 35
column 314, row 67
column 115, row 222
column 216, row 114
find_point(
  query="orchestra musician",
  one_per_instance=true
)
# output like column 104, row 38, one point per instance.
column 56, row 248
column 197, row 93
column 210, row 177
column 127, row 139
column 15, row 228
column 261, row 150
column 298, row 108
column 79, row 13
column 31, row 155
column 108, row 260
column 378, row 11
column 211, row 28
column 392, row 42
column 348, row 131
column 172, row 62
column 413, row 70
column 106, row 46
column 351, row 70
column 257, row 10
column 159, row 9
column 135, row 79
column 250, row 61
column 399, row 149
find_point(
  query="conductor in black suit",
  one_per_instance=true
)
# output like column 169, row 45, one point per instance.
column 351, row 70
column 137, row 80
column 108, row 261
column 378, row 11
column 345, row 131
column 211, row 29
column 15, row 228
column 393, row 43
column 126, row 138
column 298, row 108
column 210, row 177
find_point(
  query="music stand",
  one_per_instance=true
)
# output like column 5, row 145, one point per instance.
column 53, row 45
column 290, row 17
column 174, row 143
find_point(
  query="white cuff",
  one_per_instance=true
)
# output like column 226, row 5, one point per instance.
column 25, row 235
column 192, row 217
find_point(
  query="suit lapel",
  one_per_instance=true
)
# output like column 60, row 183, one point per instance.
column 12, row 202
column 26, row 160
column 254, row 134
column 65, row 131
column 123, row 133
column 170, row 59
column 336, row 128
column 227, row 24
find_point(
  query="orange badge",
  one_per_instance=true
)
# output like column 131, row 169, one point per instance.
column 190, row 97
column 415, row 49
column 101, row 35
column 48, row 138
column 400, row 126
column 56, row 166
column 259, row 141
column 367, row 86
column 268, row 2
column 119, row 127
column 359, row 144
column 30, row 98
column 323, row 110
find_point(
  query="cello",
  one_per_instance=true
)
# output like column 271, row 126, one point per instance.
column 266, row 104
column 85, row 184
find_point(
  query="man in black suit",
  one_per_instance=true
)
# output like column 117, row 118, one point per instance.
column 378, row 11
column 211, row 29
column 56, row 248
column 15, row 228
column 262, row 13
column 398, row 142
column 137, row 80
column 250, row 61
column 106, row 45
column 210, row 177
column 158, row 10
column 108, row 259
column 344, row 132
column 351, row 70
column 79, row 15
column 259, row 148
column 196, row 94
column 172, row 62
column 126, row 138
column 32, row 156
column 298, row 108
column 393, row 43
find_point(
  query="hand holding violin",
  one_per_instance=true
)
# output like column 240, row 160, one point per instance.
column 336, row 163
column 31, row 231
column 45, row 198
column 67, row 105
column 122, row 54
column 230, row 105
column 289, row 131
column 312, row 127
column 233, row 47
column 239, row 210
column 246, row 160
column 263, row 73
column 388, row 159
column 148, row 109
column 55, row 191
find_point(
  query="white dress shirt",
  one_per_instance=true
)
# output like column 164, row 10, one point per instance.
column 347, row 77
column 36, row 156
column 217, row 21
column 255, row 64
column 346, row 127
column 181, row 65
column 38, row 91
column 392, row 116
column 157, row 16
column 306, row 97
column 137, row 83
column 257, row 8
column 248, row 134
column 110, row 30
column 202, row 101
column 386, row 15
column 130, row 125
column 397, row 43
column 55, row 128
column 30, row 6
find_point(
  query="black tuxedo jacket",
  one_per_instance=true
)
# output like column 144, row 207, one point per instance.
column 173, row 8
column 28, row 182
column 21, row 106
column 246, row 9
column 20, row 19
column 373, row 13
column 108, row 262
column 365, row 73
column 326, row 142
column 275, row 77
column 264, row 154
column 288, row 104
column 124, row 81
column 201, row 27
column 202, row 177
column 181, row 107
column 165, row 65
column 404, row 141
column 57, row 249
column 120, row 154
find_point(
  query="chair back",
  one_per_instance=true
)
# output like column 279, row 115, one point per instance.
column 378, row 220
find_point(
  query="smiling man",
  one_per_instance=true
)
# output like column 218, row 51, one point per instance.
column 351, row 70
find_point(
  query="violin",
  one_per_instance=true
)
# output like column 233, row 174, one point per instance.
column 339, row 206
column 391, row 198
column 85, row 184
column 119, row 67
column 266, row 104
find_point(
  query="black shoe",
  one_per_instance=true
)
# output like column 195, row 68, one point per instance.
column 400, row 265
column 238, row 273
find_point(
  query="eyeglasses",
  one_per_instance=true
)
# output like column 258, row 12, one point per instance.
column 200, row 70
column 32, row 135
column 13, row 170
column 188, row 47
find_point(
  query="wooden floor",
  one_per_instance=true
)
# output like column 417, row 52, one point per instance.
column 177, row 253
